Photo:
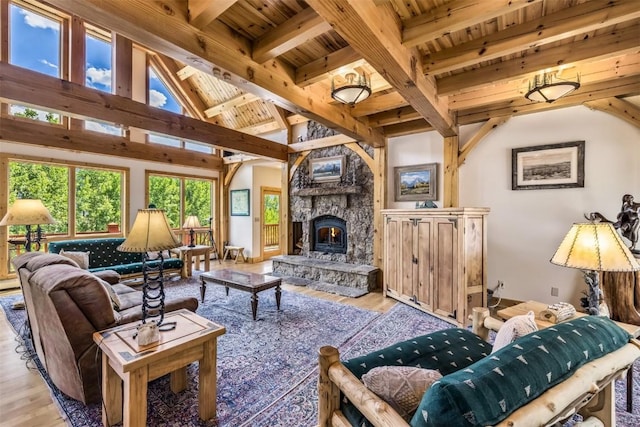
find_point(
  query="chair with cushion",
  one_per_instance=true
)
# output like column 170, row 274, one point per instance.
column 65, row 306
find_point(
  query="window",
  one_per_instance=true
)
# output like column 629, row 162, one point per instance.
column 98, row 199
column 181, row 196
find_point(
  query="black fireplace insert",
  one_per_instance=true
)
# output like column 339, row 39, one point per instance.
column 329, row 234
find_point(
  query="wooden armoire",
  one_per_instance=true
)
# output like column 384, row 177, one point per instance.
column 436, row 260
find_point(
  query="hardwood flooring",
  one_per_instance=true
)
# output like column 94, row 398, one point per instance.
column 25, row 400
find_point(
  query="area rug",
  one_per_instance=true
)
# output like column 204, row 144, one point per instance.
column 259, row 362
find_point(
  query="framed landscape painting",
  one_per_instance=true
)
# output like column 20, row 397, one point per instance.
column 416, row 183
column 326, row 169
column 239, row 201
column 548, row 166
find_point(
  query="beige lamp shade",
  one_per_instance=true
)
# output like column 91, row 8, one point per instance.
column 594, row 246
column 27, row 212
column 150, row 232
column 191, row 222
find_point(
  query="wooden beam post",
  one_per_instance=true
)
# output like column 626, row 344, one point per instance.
column 451, row 195
column 286, row 227
column 379, row 203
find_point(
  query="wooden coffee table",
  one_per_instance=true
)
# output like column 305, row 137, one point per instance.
column 242, row 281
column 128, row 366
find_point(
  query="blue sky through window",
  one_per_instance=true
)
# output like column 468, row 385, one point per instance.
column 35, row 41
column 160, row 96
column 98, row 64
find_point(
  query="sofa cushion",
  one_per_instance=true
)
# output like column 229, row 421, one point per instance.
column 489, row 390
column 514, row 328
column 80, row 258
column 402, row 387
column 110, row 276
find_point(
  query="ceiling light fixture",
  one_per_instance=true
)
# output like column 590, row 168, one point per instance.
column 548, row 88
column 357, row 87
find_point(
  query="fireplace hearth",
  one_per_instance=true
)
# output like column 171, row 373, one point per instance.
column 329, row 234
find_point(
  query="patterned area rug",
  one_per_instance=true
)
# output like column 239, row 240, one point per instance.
column 259, row 362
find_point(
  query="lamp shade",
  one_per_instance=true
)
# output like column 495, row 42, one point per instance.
column 594, row 246
column 27, row 212
column 547, row 89
column 150, row 232
column 356, row 88
column 191, row 222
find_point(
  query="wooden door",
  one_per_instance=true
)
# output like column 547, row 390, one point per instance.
column 270, row 222
column 423, row 265
column 445, row 259
column 391, row 256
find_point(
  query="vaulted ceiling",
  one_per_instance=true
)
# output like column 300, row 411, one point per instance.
column 263, row 65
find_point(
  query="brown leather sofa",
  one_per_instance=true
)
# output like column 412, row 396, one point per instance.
column 65, row 306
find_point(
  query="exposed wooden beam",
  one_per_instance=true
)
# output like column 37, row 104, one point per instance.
column 625, row 86
column 353, row 146
column 450, row 174
column 296, row 119
column 78, row 101
column 620, row 108
column 313, row 144
column 203, row 12
column 454, row 16
column 280, row 116
column 395, row 116
column 566, row 23
column 319, row 69
column 407, row 128
column 486, row 128
column 261, row 128
column 293, row 32
column 378, row 103
column 44, row 134
column 231, row 171
column 147, row 23
column 122, row 65
column 185, row 72
column 375, row 33
column 614, row 43
column 229, row 104
column 303, row 155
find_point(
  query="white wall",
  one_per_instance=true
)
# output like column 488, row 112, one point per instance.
column 525, row 227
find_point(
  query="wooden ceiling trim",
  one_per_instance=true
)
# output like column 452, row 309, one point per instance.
column 312, row 144
column 353, row 146
column 625, row 86
column 293, row 32
column 230, row 172
column 620, row 108
column 296, row 164
column 78, row 101
column 44, row 134
column 454, row 16
column 392, row 117
column 319, row 69
column 230, row 104
column 566, row 23
column 262, row 128
column 185, row 72
column 278, row 114
column 374, row 32
column 146, row 22
column 486, row 128
column 613, row 43
column 379, row 103
column 407, row 128
column 203, row 12
column 296, row 119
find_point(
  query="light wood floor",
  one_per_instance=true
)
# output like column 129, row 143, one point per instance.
column 25, row 400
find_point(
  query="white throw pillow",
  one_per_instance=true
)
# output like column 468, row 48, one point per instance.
column 81, row 258
column 514, row 328
column 401, row 387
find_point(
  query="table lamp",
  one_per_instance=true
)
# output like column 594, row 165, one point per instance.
column 594, row 247
column 28, row 212
column 191, row 223
column 150, row 233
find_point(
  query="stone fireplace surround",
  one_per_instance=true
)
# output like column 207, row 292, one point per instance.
column 350, row 199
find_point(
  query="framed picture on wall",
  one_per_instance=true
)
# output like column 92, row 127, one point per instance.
column 239, row 202
column 326, row 169
column 548, row 166
column 416, row 183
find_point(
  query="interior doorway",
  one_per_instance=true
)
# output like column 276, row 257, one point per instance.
column 270, row 222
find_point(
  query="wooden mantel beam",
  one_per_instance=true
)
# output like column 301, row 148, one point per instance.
column 375, row 33
column 147, row 22
column 33, row 88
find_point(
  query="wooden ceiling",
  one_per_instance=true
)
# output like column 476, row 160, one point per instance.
column 263, row 65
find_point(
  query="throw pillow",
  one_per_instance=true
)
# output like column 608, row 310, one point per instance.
column 401, row 387
column 153, row 255
column 81, row 258
column 514, row 328
column 109, row 276
column 113, row 296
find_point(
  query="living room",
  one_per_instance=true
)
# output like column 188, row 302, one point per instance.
column 524, row 227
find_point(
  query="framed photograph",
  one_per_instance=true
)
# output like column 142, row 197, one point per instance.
column 416, row 183
column 548, row 166
column 326, row 169
column 239, row 202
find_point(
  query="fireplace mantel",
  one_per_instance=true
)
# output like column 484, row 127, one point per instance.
column 327, row 191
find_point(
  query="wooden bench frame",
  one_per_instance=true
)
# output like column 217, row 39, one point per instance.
column 590, row 391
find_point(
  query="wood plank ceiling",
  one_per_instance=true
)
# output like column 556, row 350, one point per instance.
column 262, row 65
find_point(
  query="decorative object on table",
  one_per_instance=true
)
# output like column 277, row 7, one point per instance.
column 548, row 87
column 326, row 169
column 191, row 222
column 428, row 204
column 28, row 212
column 594, row 247
column 151, row 232
column 627, row 222
column 548, row 166
column 239, row 202
column 557, row 312
column 416, row 183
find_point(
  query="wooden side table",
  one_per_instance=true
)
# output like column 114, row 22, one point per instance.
column 187, row 254
column 239, row 250
column 537, row 307
column 129, row 366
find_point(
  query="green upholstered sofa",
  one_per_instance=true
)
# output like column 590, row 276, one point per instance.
column 539, row 379
column 103, row 255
